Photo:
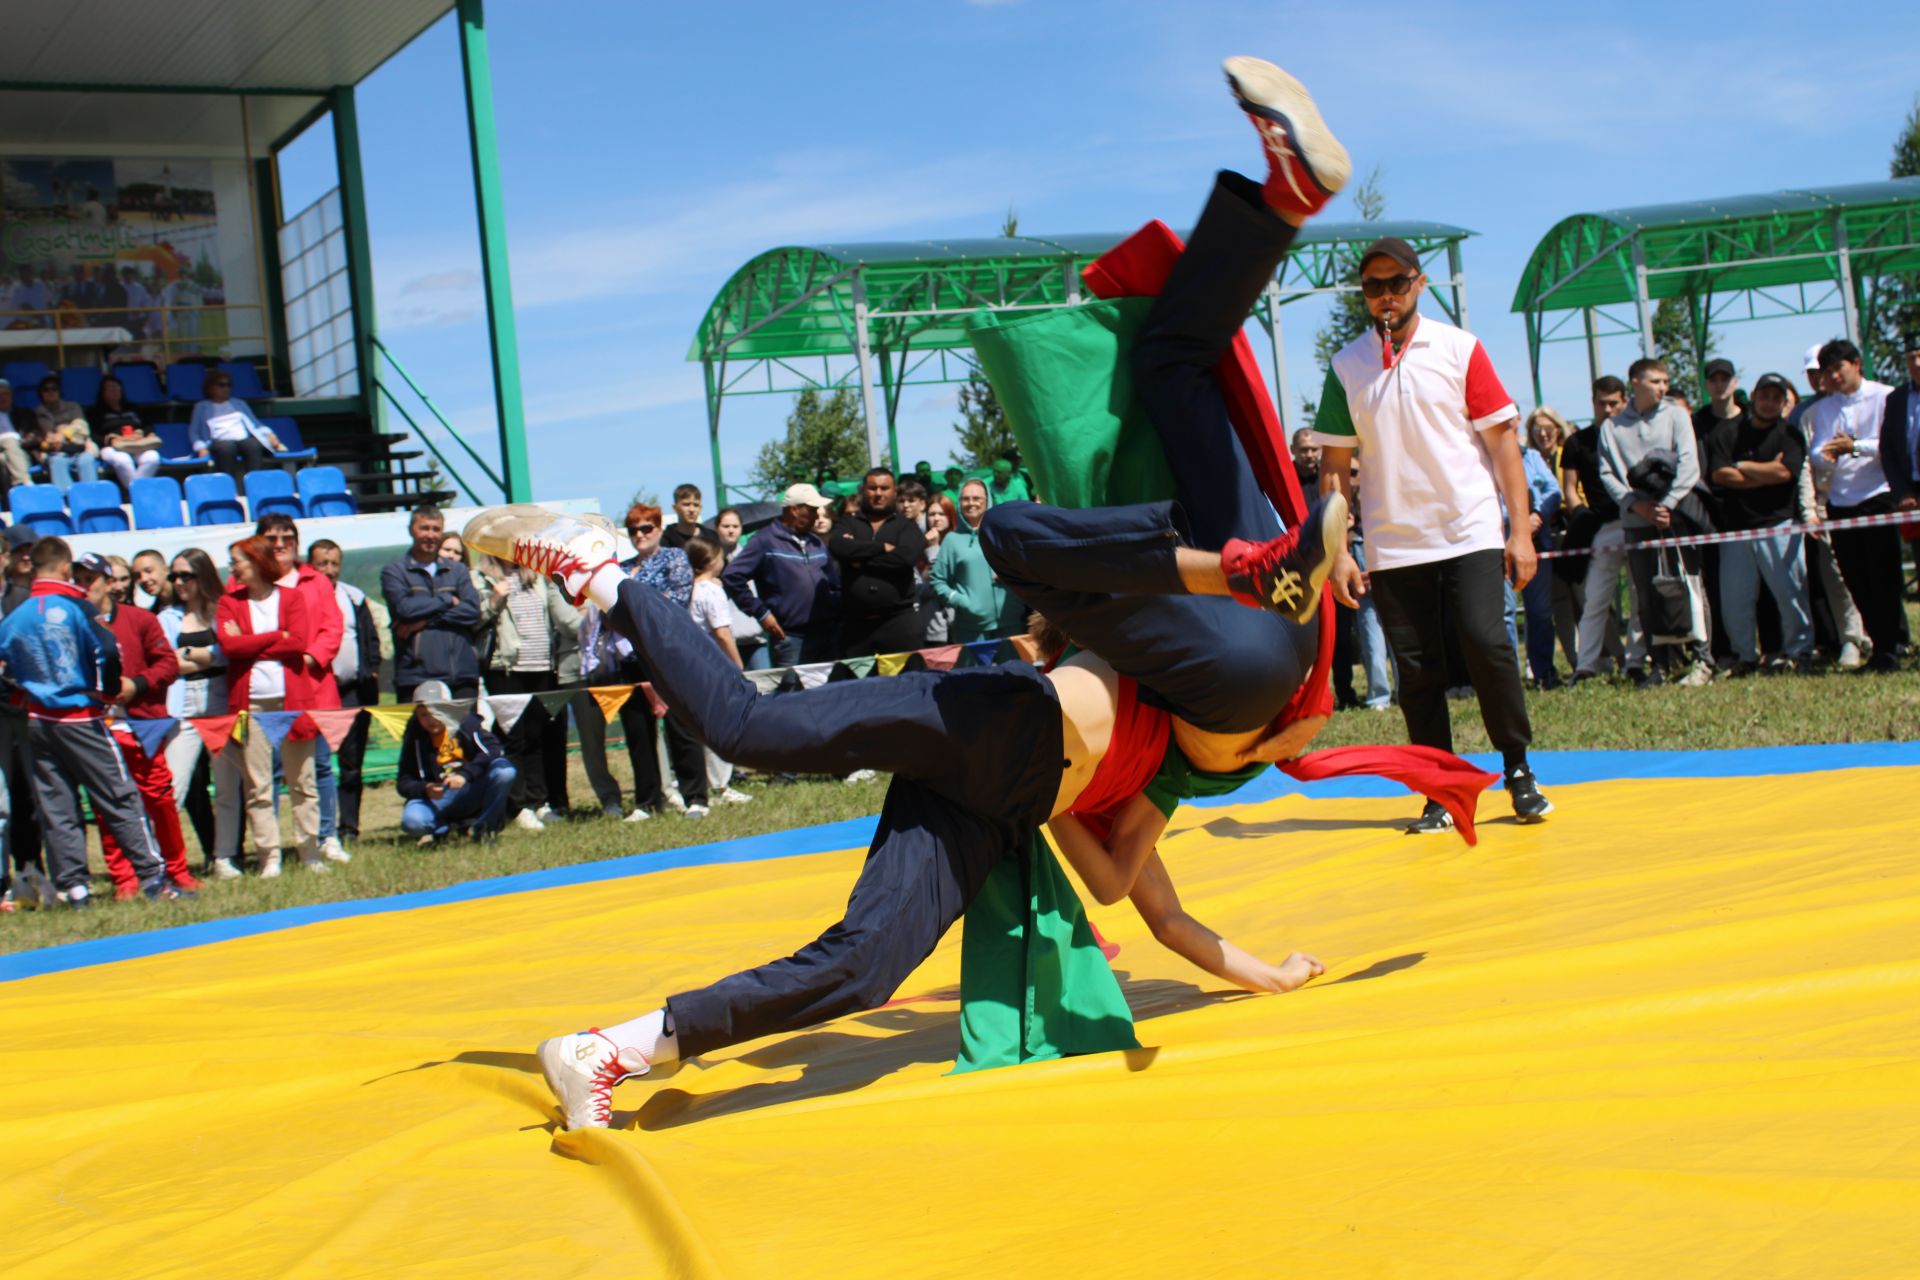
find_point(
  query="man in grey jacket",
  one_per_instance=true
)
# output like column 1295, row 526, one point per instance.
column 1648, row 501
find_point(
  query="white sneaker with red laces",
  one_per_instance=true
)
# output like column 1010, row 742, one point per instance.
column 581, row 1069
column 568, row 549
column 1306, row 165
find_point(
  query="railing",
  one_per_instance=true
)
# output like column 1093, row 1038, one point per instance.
column 132, row 326
column 385, row 391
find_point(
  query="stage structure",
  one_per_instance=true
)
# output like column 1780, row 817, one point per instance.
column 1739, row 258
column 139, row 147
column 885, row 316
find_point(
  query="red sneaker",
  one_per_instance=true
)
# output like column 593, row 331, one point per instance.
column 185, row 881
column 126, row 892
column 1306, row 165
column 1285, row 575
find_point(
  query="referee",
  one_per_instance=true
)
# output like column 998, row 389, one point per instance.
column 1436, row 432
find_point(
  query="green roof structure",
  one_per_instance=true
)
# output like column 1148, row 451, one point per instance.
column 1754, row 257
column 884, row 316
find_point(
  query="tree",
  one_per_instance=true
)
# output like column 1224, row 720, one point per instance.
column 1350, row 318
column 1673, row 341
column 1895, row 308
column 824, row 433
column 982, row 428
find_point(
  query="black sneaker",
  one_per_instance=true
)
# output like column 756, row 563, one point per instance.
column 1433, row 820
column 1284, row 575
column 161, row 889
column 1528, row 804
column 1649, row 677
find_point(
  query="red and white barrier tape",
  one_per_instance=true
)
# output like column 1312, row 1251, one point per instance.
column 1752, row 535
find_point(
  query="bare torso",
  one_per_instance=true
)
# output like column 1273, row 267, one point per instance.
column 1089, row 693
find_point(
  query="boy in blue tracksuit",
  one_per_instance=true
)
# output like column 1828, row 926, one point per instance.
column 66, row 666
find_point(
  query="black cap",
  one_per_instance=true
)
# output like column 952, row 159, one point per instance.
column 20, row 535
column 1911, row 341
column 1393, row 247
column 1719, row 366
column 1771, row 380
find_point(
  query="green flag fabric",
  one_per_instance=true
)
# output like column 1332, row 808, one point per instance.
column 1034, row 984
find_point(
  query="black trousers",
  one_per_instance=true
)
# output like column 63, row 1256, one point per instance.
column 901, row 632
column 1409, row 603
column 1869, row 562
column 524, row 744
column 237, row 457
column 1214, row 662
column 350, row 759
column 975, row 756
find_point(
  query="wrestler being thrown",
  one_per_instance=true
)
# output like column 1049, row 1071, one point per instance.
column 979, row 758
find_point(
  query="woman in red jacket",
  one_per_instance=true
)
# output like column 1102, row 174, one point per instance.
column 264, row 633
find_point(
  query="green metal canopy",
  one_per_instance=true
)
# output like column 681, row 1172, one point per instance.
column 1754, row 257
column 824, row 316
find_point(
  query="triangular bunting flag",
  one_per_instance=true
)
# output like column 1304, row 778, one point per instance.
column 944, row 658
column 891, row 664
column 611, row 698
column 391, row 719
column 152, row 735
column 554, row 703
column 916, row 661
column 862, row 667
column 768, row 681
column 335, row 723
column 814, row 674
column 980, row 653
column 275, row 724
column 507, row 709
column 654, row 703
column 789, row 680
column 215, row 730
column 841, row 672
column 1026, row 647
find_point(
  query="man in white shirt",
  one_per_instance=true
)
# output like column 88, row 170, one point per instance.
column 1421, row 403
column 1843, row 442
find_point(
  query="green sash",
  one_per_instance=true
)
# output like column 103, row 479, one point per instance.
column 1034, row 984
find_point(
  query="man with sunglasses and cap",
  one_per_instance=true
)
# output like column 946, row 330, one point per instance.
column 1420, row 401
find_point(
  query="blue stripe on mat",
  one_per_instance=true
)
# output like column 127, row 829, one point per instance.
column 1555, row 768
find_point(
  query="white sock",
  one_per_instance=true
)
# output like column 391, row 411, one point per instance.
column 604, row 587
column 648, row 1033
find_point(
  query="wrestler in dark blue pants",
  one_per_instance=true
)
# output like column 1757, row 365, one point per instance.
column 975, row 757
column 1213, row 662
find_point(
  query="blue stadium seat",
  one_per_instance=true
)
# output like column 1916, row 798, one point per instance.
column 95, row 507
column 40, row 507
column 82, row 386
column 176, row 448
column 271, row 490
column 324, row 491
column 289, row 432
column 187, row 383
column 212, row 499
column 246, row 381
column 24, row 375
column 156, row 503
column 142, row 382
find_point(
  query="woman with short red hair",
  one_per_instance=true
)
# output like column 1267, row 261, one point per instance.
column 264, row 631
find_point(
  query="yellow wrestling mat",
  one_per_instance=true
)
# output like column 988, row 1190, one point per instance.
column 1670, row 1033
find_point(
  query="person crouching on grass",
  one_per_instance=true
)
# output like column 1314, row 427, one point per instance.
column 452, row 771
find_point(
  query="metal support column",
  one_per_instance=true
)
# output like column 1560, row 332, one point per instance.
column 863, row 359
column 1593, row 345
column 1459, row 282
column 1697, row 313
column 890, row 405
column 1849, row 305
column 1282, row 395
column 491, row 211
column 1534, row 322
column 713, row 424
column 353, row 210
column 1642, row 305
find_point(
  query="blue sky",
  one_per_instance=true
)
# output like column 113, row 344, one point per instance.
column 648, row 151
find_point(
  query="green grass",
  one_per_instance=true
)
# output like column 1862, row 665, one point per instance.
column 1760, row 711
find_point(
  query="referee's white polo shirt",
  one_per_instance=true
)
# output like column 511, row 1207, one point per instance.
column 1427, row 490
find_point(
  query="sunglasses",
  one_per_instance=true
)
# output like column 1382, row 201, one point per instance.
column 1381, row 286
column 280, row 537
column 635, row 530
column 181, row 577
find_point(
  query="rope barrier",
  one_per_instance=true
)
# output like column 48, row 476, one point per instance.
column 1753, row 535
